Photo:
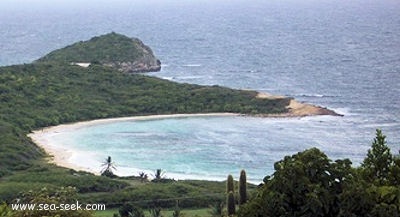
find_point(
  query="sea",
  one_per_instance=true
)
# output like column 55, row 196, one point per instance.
column 339, row 54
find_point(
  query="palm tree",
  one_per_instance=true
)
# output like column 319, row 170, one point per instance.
column 143, row 176
column 159, row 175
column 108, row 167
column 242, row 188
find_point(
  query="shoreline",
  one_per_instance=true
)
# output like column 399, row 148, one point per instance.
column 296, row 108
column 61, row 154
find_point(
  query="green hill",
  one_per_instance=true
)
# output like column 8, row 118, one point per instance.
column 115, row 50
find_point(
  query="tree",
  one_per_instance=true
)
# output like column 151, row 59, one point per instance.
column 302, row 185
column 356, row 200
column 309, row 184
column 229, row 184
column 376, row 166
column 143, row 177
column 159, row 175
column 395, row 172
column 231, row 204
column 230, row 200
column 388, row 202
column 108, row 167
column 242, row 188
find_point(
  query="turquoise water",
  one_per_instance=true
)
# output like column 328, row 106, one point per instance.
column 208, row 147
column 341, row 54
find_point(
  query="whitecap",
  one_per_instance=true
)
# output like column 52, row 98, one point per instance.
column 315, row 95
column 343, row 111
column 168, row 78
column 192, row 65
column 189, row 77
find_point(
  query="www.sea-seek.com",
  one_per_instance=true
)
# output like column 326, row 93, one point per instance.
column 54, row 207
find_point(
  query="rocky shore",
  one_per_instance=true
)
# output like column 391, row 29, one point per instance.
column 297, row 109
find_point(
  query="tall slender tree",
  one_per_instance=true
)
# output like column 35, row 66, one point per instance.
column 376, row 166
column 242, row 187
column 230, row 200
column 230, row 204
column 229, row 184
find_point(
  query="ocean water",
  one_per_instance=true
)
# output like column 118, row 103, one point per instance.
column 340, row 54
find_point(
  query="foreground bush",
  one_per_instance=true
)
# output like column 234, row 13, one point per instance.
column 310, row 184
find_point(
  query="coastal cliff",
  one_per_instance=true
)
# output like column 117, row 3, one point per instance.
column 120, row 52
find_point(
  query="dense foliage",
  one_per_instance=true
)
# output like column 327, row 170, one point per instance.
column 378, row 163
column 108, row 48
column 310, row 184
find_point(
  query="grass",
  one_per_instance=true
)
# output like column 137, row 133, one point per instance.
column 205, row 212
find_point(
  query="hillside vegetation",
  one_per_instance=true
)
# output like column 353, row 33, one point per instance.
column 115, row 50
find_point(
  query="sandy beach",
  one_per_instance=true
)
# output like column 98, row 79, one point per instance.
column 60, row 155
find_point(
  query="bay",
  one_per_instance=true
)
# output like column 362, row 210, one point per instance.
column 344, row 55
